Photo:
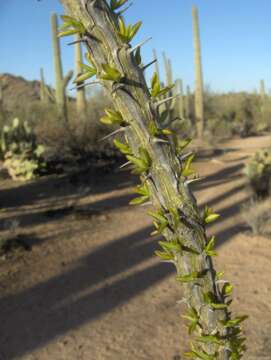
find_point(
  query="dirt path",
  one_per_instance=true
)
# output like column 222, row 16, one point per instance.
column 91, row 288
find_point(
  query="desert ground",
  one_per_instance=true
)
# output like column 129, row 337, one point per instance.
column 80, row 279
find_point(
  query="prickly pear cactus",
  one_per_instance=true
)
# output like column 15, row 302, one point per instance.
column 165, row 172
column 22, row 156
column 258, row 172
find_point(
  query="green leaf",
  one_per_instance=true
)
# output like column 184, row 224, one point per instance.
column 234, row 322
column 188, row 278
column 209, row 248
column 137, row 56
column 188, row 170
column 115, row 4
column 164, row 255
column 112, row 117
column 182, row 144
column 170, row 245
column 144, row 155
column 209, row 339
column 134, row 30
column 127, row 33
column 139, row 200
column 67, row 32
column 85, row 76
column 210, row 299
column 110, row 73
column 70, row 26
column 124, row 148
column 209, row 215
column 227, row 289
column 155, row 85
column 141, row 163
column 194, row 354
column 142, row 190
column 159, row 216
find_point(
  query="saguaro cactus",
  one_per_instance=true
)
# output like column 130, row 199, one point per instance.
column 158, row 157
column 44, row 92
column 156, row 64
column 179, row 88
column 262, row 90
column 80, row 91
column 199, row 111
column 60, row 81
column 188, row 102
column 1, row 97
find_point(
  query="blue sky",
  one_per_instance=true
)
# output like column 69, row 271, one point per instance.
column 235, row 37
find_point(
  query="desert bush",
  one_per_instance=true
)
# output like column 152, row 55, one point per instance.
column 258, row 172
column 79, row 139
column 257, row 215
column 21, row 153
column 235, row 114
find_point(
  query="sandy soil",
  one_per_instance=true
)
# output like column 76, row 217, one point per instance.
column 87, row 285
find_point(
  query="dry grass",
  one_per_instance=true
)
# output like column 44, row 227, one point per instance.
column 257, row 215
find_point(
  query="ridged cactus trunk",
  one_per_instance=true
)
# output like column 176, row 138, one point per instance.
column 61, row 81
column 262, row 91
column 188, row 102
column 179, row 88
column 1, row 98
column 156, row 64
column 80, row 91
column 164, row 170
column 44, row 96
column 199, row 110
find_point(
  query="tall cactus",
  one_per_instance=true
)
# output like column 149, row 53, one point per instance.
column 180, row 100
column 199, row 110
column 80, row 91
column 171, row 104
column 262, row 90
column 60, row 81
column 188, row 102
column 1, row 98
column 168, row 70
column 164, row 170
column 44, row 93
column 156, row 64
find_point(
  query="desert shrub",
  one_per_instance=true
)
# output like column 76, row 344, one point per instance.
column 264, row 122
column 77, row 141
column 257, row 215
column 235, row 114
column 21, row 153
column 258, row 172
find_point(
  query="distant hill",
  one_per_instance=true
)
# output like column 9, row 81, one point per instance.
column 18, row 91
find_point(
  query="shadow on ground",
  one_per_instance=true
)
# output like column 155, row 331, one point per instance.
column 35, row 316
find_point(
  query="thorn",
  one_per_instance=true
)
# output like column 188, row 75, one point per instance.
column 76, row 42
column 146, row 178
column 112, row 134
column 167, row 99
column 182, row 301
column 140, row 44
column 85, row 84
column 125, row 164
column 183, row 157
column 149, row 64
column 146, row 203
column 222, row 281
column 126, row 8
column 190, row 181
column 158, row 140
